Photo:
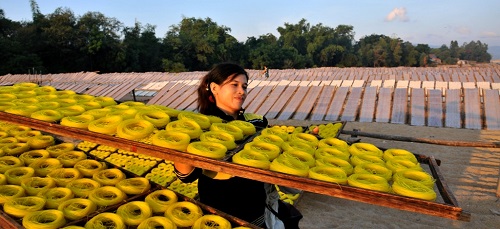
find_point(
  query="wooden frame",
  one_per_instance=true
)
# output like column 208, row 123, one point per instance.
column 449, row 209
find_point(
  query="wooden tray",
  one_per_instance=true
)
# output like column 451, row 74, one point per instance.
column 448, row 209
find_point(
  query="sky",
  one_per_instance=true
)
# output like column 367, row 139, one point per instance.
column 418, row 21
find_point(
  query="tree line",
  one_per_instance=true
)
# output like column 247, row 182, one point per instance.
column 63, row 42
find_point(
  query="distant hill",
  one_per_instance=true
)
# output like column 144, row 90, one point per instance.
column 495, row 52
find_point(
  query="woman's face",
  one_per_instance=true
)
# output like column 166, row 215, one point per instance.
column 230, row 95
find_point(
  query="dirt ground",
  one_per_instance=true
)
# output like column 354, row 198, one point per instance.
column 471, row 173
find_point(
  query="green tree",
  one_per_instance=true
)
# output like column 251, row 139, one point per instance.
column 99, row 42
column 475, row 51
column 142, row 49
column 59, row 35
column 198, row 44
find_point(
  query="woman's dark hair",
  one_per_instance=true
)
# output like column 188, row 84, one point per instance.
column 220, row 73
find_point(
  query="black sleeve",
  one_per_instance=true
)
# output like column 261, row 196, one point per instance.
column 259, row 122
column 190, row 177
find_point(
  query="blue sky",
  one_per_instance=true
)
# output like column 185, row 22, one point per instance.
column 417, row 21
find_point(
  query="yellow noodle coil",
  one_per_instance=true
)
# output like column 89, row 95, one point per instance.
column 172, row 140
column 157, row 222
column 109, row 177
column 8, row 162
column 158, row 118
column 394, row 153
column 81, row 121
column 134, row 212
column 289, row 165
column 201, row 119
column 212, row 221
column 15, row 149
column 159, row 200
column 252, row 159
column 270, row 150
column 21, row 206
column 231, row 129
column 70, row 158
column 187, row 126
column 184, row 213
column 41, row 141
column 336, row 162
column 9, row 191
column 412, row 188
column 29, row 156
column 363, row 148
column 416, row 175
column 107, row 195
column 35, row 185
column 247, row 127
column 134, row 185
column 111, row 220
column 328, row 174
column 44, row 219
column 105, row 125
column 134, row 129
column 45, row 165
column 207, row 149
column 47, row 115
column 331, row 152
column 298, row 145
column 83, row 187
column 369, row 181
column 17, row 174
column 63, row 176
column 58, row 149
column 219, row 136
column 374, row 168
column 56, row 196
column 269, row 138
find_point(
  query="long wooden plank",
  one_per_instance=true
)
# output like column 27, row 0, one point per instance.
column 282, row 101
column 294, row 102
column 165, row 98
column 96, row 90
column 352, row 103
column 255, row 92
column 178, row 94
column 472, row 108
column 417, row 113
column 273, row 97
column 337, row 104
column 448, row 209
column 319, row 111
column 492, row 109
column 307, row 104
column 435, row 104
column 162, row 92
column 126, row 90
column 188, row 94
column 399, row 106
column 261, row 97
column 453, row 116
column 383, row 112
column 367, row 110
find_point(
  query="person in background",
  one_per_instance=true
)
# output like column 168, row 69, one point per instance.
column 265, row 72
column 221, row 93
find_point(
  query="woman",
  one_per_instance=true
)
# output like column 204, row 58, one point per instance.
column 222, row 93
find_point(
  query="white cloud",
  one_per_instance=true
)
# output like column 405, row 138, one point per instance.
column 489, row 35
column 463, row 30
column 397, row 14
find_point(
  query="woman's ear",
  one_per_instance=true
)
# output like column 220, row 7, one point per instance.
column 213, row 87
